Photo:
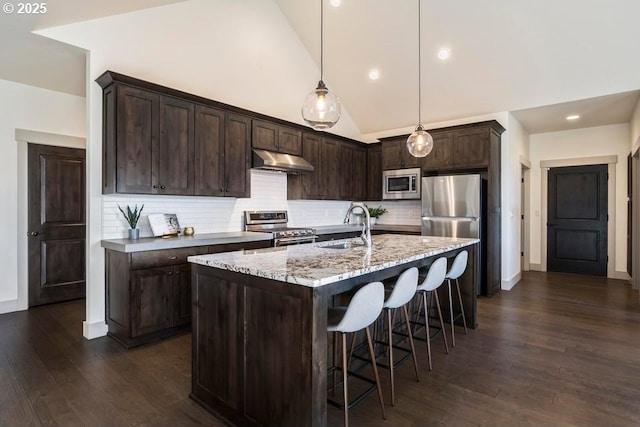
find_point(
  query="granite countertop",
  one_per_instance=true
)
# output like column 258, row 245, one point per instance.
column 156, row 243
column 346, row 228
column 315, row 264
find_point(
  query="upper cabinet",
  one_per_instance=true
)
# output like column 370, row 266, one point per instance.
column 274, row 137
column 374, row 172
column 155, row 142
column 396, row 156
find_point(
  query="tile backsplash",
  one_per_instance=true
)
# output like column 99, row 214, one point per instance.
column 220, row 214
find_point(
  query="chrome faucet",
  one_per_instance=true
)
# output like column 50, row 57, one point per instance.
column 366, row 227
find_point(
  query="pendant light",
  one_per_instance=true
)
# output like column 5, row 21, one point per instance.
column 420, row 142
column 321, row 108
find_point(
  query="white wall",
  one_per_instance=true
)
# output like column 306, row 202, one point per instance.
column 580, row 143
column 635, row 129
column 29, row 108
column 515, row 146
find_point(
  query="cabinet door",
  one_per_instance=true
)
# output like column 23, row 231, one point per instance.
column 345, row 179
column 374, row 172
column 136, row 140
column 289, row 141
column 152, row 292
column 312, row 187
column 175, row 147
column 237, row 156
column 359, row 175
column 441, row 157
column 392, row 155
column 182, row 294
column 408, row 161
column 329, row 167
column 264, row 135
column 471, row 147
column 209, row 139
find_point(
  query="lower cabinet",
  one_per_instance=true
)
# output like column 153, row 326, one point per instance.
column 149, row 293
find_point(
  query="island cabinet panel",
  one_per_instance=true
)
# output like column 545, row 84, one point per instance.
column 274, row 137
column 374, row 172
column 149, row 292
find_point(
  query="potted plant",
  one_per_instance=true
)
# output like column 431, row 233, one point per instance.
column 132, row 217
column 375, row 213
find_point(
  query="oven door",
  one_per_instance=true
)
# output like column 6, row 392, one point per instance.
column 285, row 241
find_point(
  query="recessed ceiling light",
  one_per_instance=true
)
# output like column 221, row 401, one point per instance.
column 374, row 74
column 444, row 53
column 573, row 117
column 335, row 3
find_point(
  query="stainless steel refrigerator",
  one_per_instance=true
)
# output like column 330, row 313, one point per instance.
column 454, row 206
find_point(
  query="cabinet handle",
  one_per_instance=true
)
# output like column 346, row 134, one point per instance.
column 155, row 186
column 171, row 273
column 178, row 272
column 173, row 257
column 162, row 187
column 221, row 189
column 33, row 233
column 227, row 190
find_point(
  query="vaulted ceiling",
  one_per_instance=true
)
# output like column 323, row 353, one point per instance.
column 539, row 59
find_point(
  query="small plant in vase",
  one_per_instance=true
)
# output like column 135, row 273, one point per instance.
column 375, row 213
column 132, row 217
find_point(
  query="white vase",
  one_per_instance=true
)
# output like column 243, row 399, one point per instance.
column 373, row 221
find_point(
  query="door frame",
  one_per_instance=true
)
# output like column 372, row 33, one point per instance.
column 525, row 209
column 23, row 138
column 610, row 161
column 635, row 214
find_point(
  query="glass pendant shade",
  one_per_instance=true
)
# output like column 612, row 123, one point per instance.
column 321, row 108
column 420, row 142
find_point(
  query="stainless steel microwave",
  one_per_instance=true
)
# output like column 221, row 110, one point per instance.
column 401, row 184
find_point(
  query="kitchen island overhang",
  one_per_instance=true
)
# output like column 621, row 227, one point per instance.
column 259, row 320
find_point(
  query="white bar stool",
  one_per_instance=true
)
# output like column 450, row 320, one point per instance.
column 363, row 309
column 398, row 297
column 434, row 279
column 457, row 269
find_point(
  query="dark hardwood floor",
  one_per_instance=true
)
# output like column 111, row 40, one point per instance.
column 557, row 350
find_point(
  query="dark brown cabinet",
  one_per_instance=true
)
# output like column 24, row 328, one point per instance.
column 275, row 137
column 149, row 293
column 374, row 172
column 156, row 143
column 471, row 147
column 441, row 156
column 395, row 154
column 352, row 179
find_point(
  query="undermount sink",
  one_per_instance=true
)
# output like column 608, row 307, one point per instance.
column 343, row 245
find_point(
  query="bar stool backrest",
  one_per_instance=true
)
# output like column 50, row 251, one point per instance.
column 459, row 265
column 404, row 289
column 364, row 308
column 435, row 276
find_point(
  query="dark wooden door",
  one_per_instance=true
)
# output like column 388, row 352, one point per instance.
column 330, row 172
column 182, row 294
column 471, row 147
column 312, row 182
column 57, row 224
column 346, row 179
column 629, row 214
column 391, row 155
column 577, row 220
column 264, row 135
column 237, row 152
column 289, row 141
column 374, row 172
column 152, row 291
column 441, row 156
column 175, row 148
column 209, row 138
column 359, row 174
column 136, row 140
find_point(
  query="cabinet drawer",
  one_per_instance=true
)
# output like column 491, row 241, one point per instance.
column 164, row 257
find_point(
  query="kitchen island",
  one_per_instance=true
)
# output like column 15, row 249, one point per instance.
column 259, row 320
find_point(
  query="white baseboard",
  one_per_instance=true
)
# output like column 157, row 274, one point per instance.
column 10, row 306
column 622, row 275
column 94, row 330
column 507, row 285
column 535, row 267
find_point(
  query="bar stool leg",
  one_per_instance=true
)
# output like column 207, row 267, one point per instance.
column 344, row 379
column 426, row 326
column 444, row 336
column 453, row 332
column 464, row 320
column 413, row 349
column 390, row 348
column 375, row 371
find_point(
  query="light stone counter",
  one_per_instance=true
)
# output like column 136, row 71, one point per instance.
column 208, row 239
column 319, row 264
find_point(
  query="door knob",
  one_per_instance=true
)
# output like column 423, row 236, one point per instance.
column 33, row 233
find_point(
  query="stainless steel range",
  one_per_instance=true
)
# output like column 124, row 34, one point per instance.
column 275, row 222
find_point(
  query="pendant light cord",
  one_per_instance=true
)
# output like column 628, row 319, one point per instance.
column 321, row 38
column 419, row 68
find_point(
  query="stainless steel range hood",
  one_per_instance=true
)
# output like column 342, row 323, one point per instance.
column 288, row 163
